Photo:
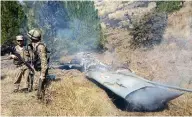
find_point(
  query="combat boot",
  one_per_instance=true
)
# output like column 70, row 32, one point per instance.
column 16, row 89
column 25, row 90
column 30, row 87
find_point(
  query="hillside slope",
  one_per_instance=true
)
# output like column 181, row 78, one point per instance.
column 174, row 50
column 73, row 94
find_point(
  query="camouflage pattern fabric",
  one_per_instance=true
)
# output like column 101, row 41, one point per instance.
column 23, row 70
column 40, row 55
column 42, row 52
column 22, row 74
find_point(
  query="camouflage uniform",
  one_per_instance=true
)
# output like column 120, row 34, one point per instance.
column 40, row 55
column 40, row 50
column 23, row 70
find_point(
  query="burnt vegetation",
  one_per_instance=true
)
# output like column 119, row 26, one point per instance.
column 149, row 30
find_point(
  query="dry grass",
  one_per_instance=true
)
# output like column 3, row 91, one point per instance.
column 118, row 11
column 179, row 23
column 73, row 94
column 170, row 62
column 78, row 96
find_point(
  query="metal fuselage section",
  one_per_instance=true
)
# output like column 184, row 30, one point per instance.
column 138, row 93
column 120, row 84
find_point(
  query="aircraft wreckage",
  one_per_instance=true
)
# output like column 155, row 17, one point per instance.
column 139, row 94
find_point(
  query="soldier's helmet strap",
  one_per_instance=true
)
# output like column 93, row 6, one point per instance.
column 31, row 34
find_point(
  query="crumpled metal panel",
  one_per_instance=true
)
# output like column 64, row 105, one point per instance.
column 118, row 83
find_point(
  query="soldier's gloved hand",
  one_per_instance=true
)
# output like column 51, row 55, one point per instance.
column 42, row 77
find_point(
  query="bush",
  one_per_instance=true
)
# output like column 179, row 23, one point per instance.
column 149, row 30
column 168, row 6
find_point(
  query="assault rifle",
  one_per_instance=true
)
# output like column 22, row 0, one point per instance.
column 11, row 49
column 8, row 58
column 24, row 62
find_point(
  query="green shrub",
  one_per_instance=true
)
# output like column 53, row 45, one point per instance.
column 168, row 6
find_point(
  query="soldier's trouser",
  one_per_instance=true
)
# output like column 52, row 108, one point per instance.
column 23, row 74
column 37, row 78
column 40, row 85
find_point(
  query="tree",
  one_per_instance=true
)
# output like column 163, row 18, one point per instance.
column 49, row 16
column 66, row 25
column 84, row 26
column 12, row 20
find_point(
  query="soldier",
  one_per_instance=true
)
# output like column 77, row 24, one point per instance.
column 40, row 60
column 23, row 70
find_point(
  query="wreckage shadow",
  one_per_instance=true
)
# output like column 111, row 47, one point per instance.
column 119, row 102
column 56, row 80
column 66, row 67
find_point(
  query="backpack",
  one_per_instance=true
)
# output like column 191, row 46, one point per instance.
column 36, row 58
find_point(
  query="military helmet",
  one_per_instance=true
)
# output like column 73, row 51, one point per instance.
column 34, row 34
column 19, row 38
